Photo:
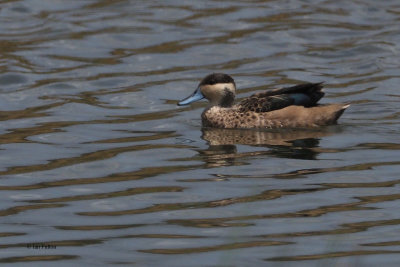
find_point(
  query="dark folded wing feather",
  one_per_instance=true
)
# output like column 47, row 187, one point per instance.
column 303, row 94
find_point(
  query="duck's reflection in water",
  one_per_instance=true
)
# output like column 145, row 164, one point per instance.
column 288, row 143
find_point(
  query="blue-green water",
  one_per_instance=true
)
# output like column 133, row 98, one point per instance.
column 100, row 167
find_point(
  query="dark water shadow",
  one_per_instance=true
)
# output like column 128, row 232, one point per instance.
column 288, row 143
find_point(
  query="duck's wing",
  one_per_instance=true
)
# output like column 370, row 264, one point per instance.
column 307, row 95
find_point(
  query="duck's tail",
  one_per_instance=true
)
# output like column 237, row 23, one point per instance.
column 340, row 111
column 333, row 112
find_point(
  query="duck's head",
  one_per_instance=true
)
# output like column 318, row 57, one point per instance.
column 218, row 88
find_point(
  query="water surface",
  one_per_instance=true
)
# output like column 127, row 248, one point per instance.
column 98, row 166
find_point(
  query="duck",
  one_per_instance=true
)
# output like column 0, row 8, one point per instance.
column 289, row 107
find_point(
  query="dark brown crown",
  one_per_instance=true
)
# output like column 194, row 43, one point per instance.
column 215, row 78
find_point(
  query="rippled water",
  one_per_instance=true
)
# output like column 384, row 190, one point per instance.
column 99, row 166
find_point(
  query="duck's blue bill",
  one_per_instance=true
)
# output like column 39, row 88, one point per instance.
column 196, row 96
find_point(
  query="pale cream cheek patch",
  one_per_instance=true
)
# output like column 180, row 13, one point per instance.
column 215, row 92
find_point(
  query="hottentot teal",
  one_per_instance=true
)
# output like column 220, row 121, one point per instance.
column 293, row 107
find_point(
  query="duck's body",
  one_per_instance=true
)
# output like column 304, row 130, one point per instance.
column 288, row 117
column 286, row 107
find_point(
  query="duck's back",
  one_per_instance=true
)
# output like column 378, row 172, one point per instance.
column 306, row 95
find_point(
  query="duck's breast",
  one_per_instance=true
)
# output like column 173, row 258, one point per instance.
column 231, row 118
